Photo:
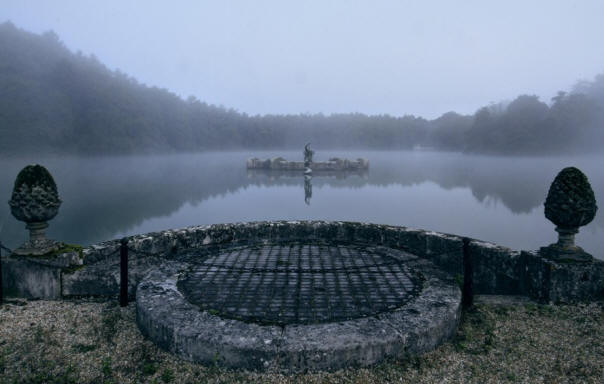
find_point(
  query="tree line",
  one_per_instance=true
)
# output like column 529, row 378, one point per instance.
column 57, row 101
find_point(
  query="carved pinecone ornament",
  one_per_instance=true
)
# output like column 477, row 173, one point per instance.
column 35, row 197
column 570, row 201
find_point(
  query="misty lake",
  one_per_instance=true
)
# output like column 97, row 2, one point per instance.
column 498, row 199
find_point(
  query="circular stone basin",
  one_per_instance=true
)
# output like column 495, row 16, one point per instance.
column 287, row 284
column 298, row 306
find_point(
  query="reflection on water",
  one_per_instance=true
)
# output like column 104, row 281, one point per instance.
column 492, row 198
column 307, row 189
column 266, row 176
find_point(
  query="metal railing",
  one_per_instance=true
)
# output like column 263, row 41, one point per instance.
column 124, row 249
column 2, row 247
column 467, row 294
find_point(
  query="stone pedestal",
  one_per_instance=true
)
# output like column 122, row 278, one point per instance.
column 565, row 249
column 563, row 280
column 566, row 237
column 35, row 277
column 556, row 253
column 38, row 244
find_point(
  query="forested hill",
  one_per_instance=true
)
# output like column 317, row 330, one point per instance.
column 56, row 101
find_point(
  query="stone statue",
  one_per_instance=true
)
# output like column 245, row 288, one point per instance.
column 35, row 200
column 570, row 204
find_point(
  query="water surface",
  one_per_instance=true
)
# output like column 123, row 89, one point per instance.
column 498, row 199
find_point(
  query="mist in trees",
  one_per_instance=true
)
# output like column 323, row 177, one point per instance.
column 56, row 101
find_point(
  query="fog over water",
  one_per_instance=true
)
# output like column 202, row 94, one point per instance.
column 498, row 199
column 167, row 100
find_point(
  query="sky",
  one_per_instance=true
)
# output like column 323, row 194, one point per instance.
column 334, row 56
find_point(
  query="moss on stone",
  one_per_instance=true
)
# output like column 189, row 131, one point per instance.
column 35, row 175
column 65, row 248
column 570, row 201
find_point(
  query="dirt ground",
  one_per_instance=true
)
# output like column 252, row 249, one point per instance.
column 87, row 341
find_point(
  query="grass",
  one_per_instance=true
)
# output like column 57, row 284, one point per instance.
column 99, row 342
column 83, row 348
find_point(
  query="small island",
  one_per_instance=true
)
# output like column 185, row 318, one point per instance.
column 333, row 164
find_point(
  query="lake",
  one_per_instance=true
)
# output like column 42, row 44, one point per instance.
column 498, row 199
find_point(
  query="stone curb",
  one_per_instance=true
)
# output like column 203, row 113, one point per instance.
column 167, row 318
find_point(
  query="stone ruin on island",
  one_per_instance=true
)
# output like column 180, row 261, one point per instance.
column 308, row 165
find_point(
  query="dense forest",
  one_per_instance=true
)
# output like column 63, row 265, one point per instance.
column 56, row 101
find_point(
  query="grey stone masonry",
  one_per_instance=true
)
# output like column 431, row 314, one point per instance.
column 557, row 281
column 170, row 319
column 101, row 276
column 497, row 270
column 37, row 277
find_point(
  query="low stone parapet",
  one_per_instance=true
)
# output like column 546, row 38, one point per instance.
column 495, row 269
column 562, row 282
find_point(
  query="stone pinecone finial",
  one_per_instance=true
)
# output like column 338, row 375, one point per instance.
column 570, row 204
column 35, row 197
column 35, row 200
column 570, row 201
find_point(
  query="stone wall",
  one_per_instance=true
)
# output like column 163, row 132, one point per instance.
column 553, row 281
column 495, row 269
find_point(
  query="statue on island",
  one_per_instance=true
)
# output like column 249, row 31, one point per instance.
column 334, row 164
column 570, row 204
column 35, row 200
column 308, row 153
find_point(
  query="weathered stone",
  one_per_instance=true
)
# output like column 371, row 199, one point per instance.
column 103, row 279
column 570, row 204
column 563, row 282
column 496, row 269
column 300, row 282
column 36, row 277
column 445, row 251
column 166, row 316
column 570, row 201
column 35, row 200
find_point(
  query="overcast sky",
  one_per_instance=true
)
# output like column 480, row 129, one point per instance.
column 395, row 57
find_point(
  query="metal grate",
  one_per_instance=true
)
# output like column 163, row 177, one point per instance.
column 299, row 283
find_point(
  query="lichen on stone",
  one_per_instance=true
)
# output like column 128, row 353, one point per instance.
column 35, row 197
column 570, row 201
